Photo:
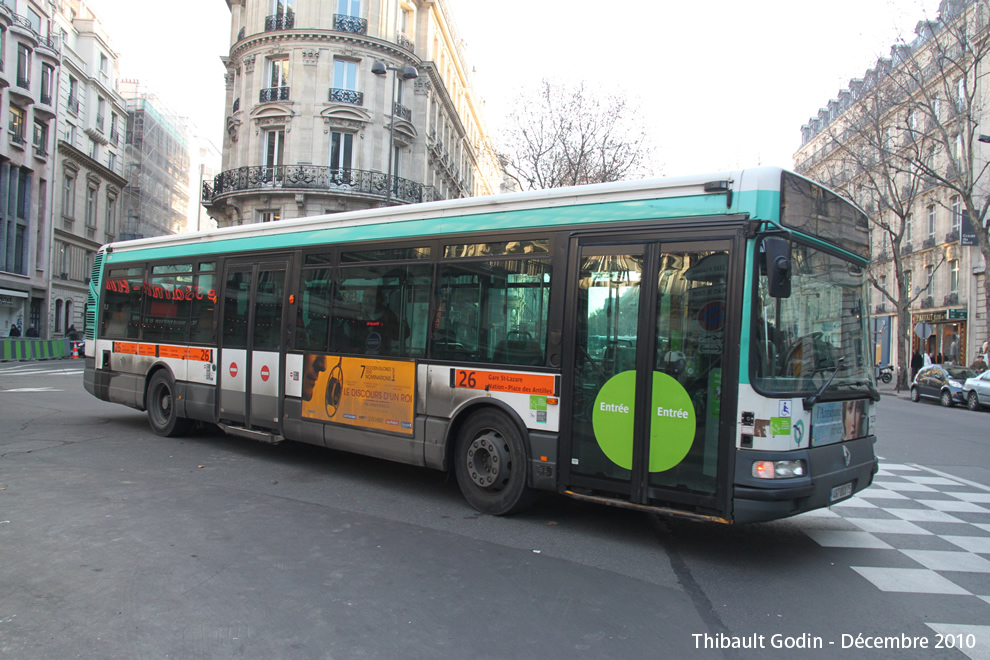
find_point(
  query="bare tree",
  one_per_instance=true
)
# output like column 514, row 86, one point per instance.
column 940, row 79
column 565, row 135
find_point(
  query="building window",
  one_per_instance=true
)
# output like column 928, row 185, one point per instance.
column 929, row 276
column 341, row 152
column 908, row 221
column 345, row 74
column 73, row 95
column 41, row 138
column 23, row 193
column 269, row 216
column 112, row 161
column 931, row 221
column 278, row 81
column 47, row 84
column 101, row 106
column 104, row 67
column 58, row 314
column 91, row 193
column 956, row 215
column 68, row 315
column 960, row 93
column 954, row 276
column 16, row 124
column 19, row 247
column 349, row 8
column 69, row 197
column 274, row 148
column 908, row 282
column 23, row 66
column 111, row 225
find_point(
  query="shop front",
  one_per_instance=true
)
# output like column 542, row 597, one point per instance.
column 941, row 334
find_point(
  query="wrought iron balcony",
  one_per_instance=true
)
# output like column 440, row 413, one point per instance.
column 353, row 24
column 24, row 83
column 928, row 301
column 401, row 111
column 338, row 95
column 273, row 94
column 928, row 243
column 951, row 299
column 73, row 105
column 40, row 151
column 114, row 136
column 280, row 21
column 907, row 248
column 318, row 178
column 46, row 98
column 952, row 236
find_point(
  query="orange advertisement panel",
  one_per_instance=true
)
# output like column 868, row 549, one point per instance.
column 503, row 381
column 360, row 391
column 176, row 352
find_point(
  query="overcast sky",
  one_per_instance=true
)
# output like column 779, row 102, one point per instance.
column 722, row 84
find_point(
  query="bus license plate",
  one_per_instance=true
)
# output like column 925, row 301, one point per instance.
column 841, row 492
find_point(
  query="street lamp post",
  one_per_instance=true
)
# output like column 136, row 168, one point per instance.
column 408, row 73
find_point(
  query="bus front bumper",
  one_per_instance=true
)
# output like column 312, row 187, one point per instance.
column 830, row 469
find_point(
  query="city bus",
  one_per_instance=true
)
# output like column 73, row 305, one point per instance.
column 692, row 346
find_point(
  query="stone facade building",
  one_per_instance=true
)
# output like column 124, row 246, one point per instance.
column 942, row 265
column 29, row 65
column 89, row 174
column 309, row 124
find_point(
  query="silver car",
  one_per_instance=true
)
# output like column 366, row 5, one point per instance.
column 977, row 391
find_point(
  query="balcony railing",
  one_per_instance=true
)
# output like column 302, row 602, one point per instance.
column 273, row 94
column 401, row 111
column 352, row 24
column 24, row 83
column 114, row 136
column 951, row 299
column 338, row 95
column 928, row 301
column 40, row 151
column 46, row 98
column 280, row 21
column 405, row 42
column 952, row 236
column 928, row 243
column 318, row 178
column 907, row 248
column 73, row 105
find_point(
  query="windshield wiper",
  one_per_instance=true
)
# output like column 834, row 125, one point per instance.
column 874, row 392
column 813, row 399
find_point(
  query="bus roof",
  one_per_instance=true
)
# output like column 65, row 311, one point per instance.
column 754, row 192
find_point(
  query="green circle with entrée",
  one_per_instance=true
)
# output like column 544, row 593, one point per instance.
column 672, row 421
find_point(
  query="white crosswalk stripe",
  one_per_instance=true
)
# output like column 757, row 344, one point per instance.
column 925, row 517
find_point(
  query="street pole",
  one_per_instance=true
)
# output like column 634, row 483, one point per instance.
column 408, row 73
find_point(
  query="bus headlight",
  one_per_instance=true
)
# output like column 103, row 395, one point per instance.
column 779, row 469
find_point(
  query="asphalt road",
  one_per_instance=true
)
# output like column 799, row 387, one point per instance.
column 116, row 543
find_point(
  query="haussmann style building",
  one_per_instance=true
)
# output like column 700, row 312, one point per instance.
column 325, row 96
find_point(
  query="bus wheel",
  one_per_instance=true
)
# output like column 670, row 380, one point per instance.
column 490, row 464
column 161, row 406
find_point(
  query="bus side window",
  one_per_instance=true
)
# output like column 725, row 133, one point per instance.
column 493, row 311
column 313, row 310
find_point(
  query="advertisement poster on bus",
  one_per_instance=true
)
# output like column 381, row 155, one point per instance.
column 358, row 391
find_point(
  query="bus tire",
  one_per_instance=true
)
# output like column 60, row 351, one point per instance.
column 160, row 404
column 490, row 464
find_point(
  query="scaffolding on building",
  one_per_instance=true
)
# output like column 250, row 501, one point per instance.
column 156, row 160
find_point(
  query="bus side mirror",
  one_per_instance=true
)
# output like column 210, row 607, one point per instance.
column 777, row 254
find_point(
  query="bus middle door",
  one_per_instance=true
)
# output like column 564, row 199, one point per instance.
column 251, row 344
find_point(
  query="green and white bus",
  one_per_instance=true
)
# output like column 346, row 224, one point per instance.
column 694, row 346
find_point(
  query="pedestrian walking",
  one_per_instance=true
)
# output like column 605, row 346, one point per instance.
column 917, row 362
column 15, row 331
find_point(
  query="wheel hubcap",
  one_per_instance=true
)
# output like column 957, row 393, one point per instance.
column 488, row 460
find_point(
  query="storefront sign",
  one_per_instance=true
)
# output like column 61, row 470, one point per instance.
column 968, row 234
column 6, row 300
column 958, row 314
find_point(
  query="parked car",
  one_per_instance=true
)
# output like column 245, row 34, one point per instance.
column 977, row 391
column 943, row 382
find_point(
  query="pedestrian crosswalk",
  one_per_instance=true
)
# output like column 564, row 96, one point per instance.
column 931, row 535
column 11, row 375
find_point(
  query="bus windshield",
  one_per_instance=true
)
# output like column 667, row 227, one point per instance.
column 799, row 339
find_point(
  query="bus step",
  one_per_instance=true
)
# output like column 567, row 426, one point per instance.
column 260, row 436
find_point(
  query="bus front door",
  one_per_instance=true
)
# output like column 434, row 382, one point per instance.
column 648, row 335
column 251, row 344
